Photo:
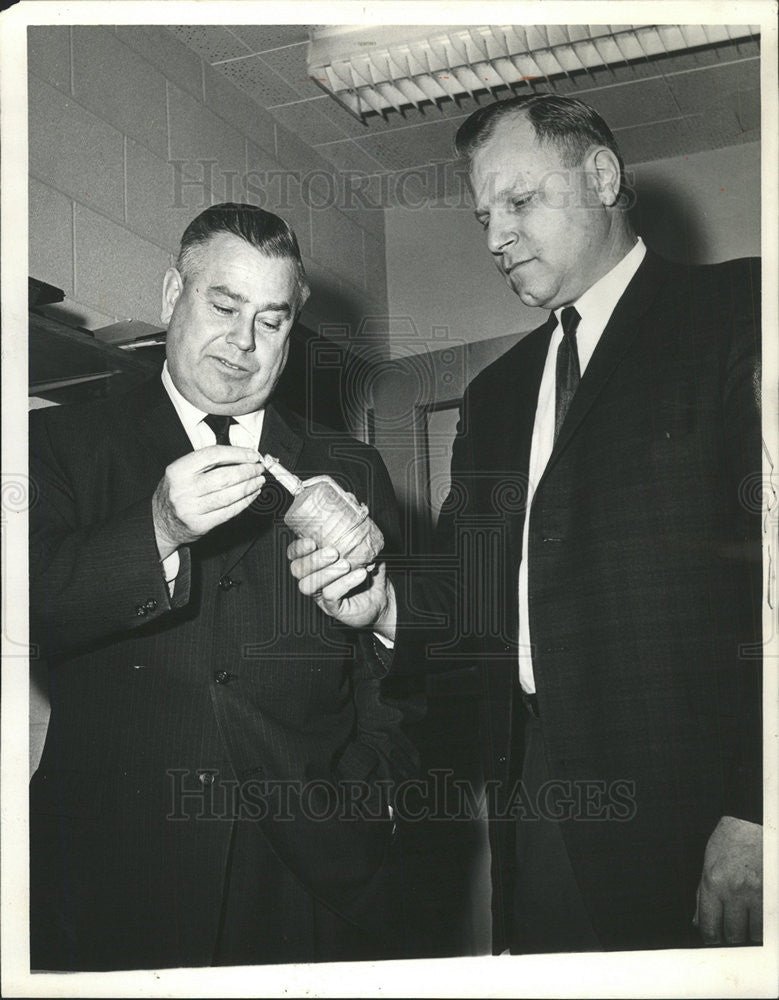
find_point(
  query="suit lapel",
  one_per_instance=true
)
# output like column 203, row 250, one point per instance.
column 279, row 439
column 616, row 339
column 156, row 428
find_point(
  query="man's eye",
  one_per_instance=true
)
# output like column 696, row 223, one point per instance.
column 522, row 202
column 272, row 325
column 222, row 310
column 483, row 221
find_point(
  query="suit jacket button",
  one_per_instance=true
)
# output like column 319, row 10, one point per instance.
column 151, row 604
column 221, row 677
column 141, row 611
column 206, row 777
column 226, row 582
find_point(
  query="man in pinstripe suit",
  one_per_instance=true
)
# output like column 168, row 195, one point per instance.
column 213, row 785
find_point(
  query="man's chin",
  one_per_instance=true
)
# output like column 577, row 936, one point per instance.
column 226, row 402
column 533, row 298
column 528, row 294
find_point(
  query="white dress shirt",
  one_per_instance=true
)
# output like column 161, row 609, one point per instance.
column 595, row 307
column 245, row 433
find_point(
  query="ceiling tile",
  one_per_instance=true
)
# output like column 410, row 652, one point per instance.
column 352, row 126
column 258, row 80
column 305, row 120
column 641, row 143
column 706, row 87
column 409, row 147
column 714, row 56
column 715, row 129
column 260, row 37
column 347, row 155
column 213, row 42
column 290, row 63
column 633, row 103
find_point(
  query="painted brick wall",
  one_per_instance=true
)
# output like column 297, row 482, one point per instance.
column 131, row 134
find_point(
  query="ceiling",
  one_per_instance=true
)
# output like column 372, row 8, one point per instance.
column 682, row 103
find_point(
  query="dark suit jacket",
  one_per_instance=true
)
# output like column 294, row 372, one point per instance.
column 644, row 592
column 238, row 676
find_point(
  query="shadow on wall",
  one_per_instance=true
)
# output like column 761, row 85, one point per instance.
column 333, row 306
column 663, row 217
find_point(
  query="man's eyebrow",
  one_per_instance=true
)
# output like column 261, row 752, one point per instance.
column 506, row 194
column 282, row 307
column 224, row 290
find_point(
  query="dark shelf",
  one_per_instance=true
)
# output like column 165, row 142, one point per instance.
column 67, row 365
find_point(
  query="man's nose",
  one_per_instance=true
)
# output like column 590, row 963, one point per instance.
column 500, row 234
column 241, row 334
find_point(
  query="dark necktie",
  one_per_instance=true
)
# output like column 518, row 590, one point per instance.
column 220, row 425
column 567, row 374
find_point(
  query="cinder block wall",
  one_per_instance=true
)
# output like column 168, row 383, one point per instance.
column 131, row 134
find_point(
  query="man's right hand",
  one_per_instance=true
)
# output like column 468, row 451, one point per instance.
column 201, row 490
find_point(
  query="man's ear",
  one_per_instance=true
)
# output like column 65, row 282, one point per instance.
column 303, row 296
column 602, row 166
column 172, row 286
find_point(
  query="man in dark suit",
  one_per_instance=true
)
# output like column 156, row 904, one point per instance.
column 213, row 787
column 601, row 523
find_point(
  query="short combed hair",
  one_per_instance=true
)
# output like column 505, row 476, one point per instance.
column 571, row 125
column 267, row 232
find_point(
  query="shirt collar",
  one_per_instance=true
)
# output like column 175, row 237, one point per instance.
column 597, row 304
column 190, row 415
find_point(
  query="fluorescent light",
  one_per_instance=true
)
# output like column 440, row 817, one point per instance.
column 370, row 70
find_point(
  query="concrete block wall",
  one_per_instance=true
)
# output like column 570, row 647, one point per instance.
column 131, row 134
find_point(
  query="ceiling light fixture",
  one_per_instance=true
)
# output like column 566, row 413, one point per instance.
column 371, row 70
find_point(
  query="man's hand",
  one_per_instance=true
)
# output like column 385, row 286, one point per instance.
column 361, row 597
column 201, row 490
column 730, row 894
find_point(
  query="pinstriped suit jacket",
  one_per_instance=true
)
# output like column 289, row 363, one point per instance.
column 237, row 677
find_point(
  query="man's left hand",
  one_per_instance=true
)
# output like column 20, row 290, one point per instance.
column 361, row 597
column 730, row 894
